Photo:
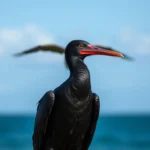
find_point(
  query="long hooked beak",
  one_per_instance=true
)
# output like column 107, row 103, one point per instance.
column 95, row 50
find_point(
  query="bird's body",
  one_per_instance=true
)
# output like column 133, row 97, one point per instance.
column 71, row 117
column 67, row 116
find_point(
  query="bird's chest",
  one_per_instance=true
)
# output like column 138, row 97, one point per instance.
column 71, row 120
column 73, row 111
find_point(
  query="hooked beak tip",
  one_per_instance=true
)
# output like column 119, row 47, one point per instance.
column 122, row 55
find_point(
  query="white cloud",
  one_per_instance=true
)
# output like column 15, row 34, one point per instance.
column 9, row 35
column 14, row 40
column 139, row 42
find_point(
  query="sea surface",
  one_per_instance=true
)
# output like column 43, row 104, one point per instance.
column 112, row 133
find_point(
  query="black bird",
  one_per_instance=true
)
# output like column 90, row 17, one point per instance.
column 66, row 117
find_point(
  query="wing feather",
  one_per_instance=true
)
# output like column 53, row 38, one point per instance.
column 49, row 47
column 44, row 110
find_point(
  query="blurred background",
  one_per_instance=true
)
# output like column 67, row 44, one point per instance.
column 123, row 86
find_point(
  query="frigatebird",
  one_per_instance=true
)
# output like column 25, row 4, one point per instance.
column 66, row 117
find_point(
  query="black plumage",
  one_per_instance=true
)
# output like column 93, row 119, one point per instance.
column 66, row 117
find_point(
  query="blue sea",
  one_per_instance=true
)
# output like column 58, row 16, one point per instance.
column 112, row 133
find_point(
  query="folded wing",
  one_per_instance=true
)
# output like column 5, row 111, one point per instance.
column 43, row 114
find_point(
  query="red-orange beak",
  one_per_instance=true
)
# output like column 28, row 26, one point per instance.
column 94, row 50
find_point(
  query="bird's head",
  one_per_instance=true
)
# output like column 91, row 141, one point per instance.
column 82, row 49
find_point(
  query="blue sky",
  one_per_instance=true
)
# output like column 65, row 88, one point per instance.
column 123, row 86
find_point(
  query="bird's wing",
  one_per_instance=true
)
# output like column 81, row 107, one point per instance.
column 126, row 57
column 44, row 110
column 95, row 114
column 49, row 47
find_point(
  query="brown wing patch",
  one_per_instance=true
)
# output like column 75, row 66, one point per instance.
column 49, row 47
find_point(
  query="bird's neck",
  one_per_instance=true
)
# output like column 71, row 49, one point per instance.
column 79, row 78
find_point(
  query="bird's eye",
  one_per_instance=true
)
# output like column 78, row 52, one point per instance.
column 81, row 45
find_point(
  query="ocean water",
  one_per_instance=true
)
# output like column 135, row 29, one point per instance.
column 112, row 133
